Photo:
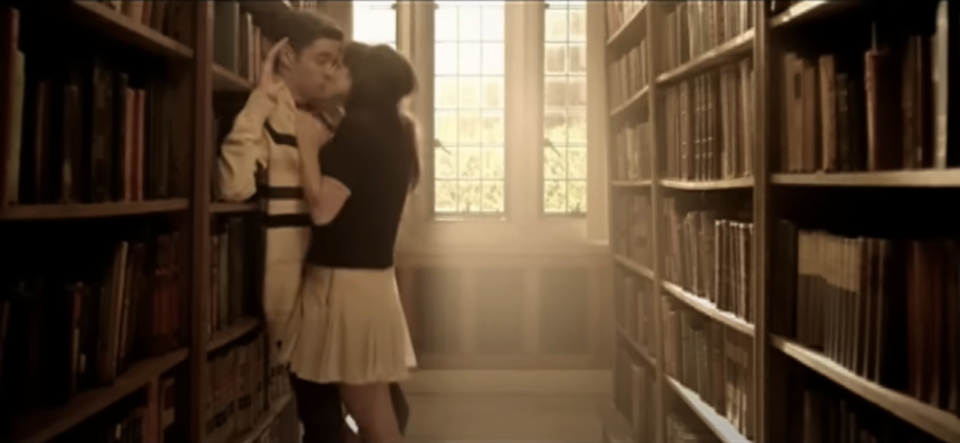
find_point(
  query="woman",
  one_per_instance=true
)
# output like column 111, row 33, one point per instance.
column 356, row 187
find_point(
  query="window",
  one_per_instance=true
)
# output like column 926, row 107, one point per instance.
column 375, row 22
column 505, row 115
column 565, row 108
column 469, row 108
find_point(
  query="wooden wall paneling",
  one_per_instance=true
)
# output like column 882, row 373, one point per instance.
column 466, row 306
column 654, row 21
column 498, row 300
column 437, row 312
column 200, row 233
column 532, row 291
column 563, row 311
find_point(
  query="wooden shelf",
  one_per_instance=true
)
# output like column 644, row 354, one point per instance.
column 616, row 428
column 939, row 423
column 232, row 333
column 106, row 20
column 719, row 425
column 809, row 10
column 276, row 408
column 91, row 210
column 709, row 309
column 233, row 208
column 929, row 178
column 640, row 351
column 734, row 48
column 47, row 424
column 633, row 266
column 713, row 185
column 636, row 101
column 630, row 183
column 628, row 30
column 225, row 80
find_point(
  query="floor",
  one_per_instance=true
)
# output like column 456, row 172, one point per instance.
column 505, row 406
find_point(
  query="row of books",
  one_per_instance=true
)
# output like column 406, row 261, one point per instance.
column 237, row 42
column 628, row 74
column 885, row 309
column 94, row 131
column 711, row 360
column 709, row 125
column 240, row 388
column 683, row 427
column 631, row 227
column 633, row 300
column 634, row 395
column 632, row 151
column 84, row 325
column 710, row 256
column 160, row 15
column 285, row 428
column 619, row 11
column 827, row 412
column 863, row 112
column 233, row 287
column 694, row 27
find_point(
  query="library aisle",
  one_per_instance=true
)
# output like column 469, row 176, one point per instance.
column 505, row 406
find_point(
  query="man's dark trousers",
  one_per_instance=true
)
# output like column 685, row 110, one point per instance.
column 321, row 410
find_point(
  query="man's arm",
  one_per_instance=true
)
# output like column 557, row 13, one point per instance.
column 245, row 148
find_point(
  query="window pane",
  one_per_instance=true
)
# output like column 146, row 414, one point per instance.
column 469, row 133
column 492, row 58
column 445, row 59
column 470, row 58
column 556, row 163
column 469, row 92
column 444, row 164
column 469, row 70
column 555, row 25
column 564, row 101
column 445, row 93
column 576, row 127
column 578, row 58
column 493, row 92
column 556, row 58
column 493, row 128
column 555, row 92
column 471, row 163
column 493, row 163
column 576, row 91
column 375, row 22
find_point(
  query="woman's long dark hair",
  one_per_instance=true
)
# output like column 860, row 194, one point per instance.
column 382, row 78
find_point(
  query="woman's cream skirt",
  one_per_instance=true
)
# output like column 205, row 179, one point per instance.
column 353, row 328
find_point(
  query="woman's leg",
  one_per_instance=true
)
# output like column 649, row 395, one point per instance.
column 371, row 408
column 320, row 411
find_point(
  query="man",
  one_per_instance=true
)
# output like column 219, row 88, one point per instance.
column 263, row 138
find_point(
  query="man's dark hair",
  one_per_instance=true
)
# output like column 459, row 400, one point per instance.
column 302, row 28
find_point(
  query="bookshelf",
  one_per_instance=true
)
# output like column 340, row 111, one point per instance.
column 763, row 288
column 127, row 312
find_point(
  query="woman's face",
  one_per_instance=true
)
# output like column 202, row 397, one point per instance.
column 339, row 83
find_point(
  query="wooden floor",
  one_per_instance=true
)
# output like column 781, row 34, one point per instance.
column 506, row 406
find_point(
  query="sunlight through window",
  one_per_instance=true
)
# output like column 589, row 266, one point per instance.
column 375, row 22
column 469, row 107
column 565, row 108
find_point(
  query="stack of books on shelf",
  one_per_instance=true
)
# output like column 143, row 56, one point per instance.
column 233, row 297
column 242, row 394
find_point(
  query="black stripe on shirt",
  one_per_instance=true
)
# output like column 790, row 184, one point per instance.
column 281, row 138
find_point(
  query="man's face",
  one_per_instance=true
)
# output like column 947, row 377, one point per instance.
column 313, row 67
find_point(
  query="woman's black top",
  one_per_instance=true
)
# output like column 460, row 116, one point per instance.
column 366, row 155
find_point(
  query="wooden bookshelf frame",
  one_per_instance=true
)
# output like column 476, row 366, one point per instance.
column 199, row 79
column 773, row 357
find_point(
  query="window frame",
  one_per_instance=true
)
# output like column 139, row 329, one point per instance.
column 523, row 218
